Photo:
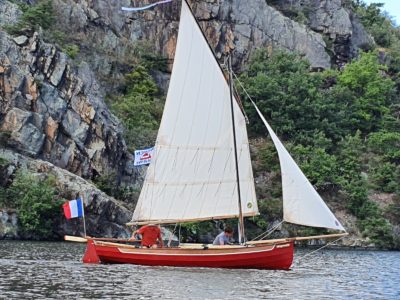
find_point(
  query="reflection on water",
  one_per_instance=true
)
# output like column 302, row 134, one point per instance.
column 54, row 270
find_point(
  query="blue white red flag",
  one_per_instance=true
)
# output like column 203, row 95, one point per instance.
column 145, row 7
column 73, row 208
column 143, row 157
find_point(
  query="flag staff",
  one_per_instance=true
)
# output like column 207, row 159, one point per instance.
column 83, row 216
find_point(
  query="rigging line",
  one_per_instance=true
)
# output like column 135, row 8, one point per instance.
column 312, row 252
column 237, row 95
column 239, row 101
column 268, row 232
column 241, row 85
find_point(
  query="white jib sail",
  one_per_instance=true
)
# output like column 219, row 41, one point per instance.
column 301, row 203
column 192, row 176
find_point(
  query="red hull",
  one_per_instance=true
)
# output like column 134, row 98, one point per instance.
column 277, row 256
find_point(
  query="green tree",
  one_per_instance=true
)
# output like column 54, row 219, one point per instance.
column 386, row 144
column 34, row 16
column 284, row 90
column 36, row 202
column 373, row 93
column 139, row 109
column 377, row 23
column 317, row 165
column 341, row 126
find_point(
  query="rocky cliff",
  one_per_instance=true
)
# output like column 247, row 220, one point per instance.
column 105, row 216
column 52, row 106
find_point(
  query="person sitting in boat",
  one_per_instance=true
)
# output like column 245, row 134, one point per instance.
column 150, row 235
column 223, row 237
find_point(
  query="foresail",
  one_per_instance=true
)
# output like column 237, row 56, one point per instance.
column 192, row 176
column 301, row 203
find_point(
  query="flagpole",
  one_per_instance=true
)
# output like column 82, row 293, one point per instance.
column 83, row 216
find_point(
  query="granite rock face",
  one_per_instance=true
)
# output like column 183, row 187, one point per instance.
column 105, row 216
column 238, row 26
column 55, row 112
column 341, row 28
column 331, row 33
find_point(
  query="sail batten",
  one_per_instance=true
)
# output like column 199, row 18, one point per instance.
column 302, row 204
column 193, row 174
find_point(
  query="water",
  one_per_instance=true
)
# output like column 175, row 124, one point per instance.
column 30, row 270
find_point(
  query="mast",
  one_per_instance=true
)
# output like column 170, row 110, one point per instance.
column 241, row 220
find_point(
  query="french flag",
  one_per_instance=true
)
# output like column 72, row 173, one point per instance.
column 73, row 208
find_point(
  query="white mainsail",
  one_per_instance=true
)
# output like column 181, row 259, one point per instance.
column 192, row 176
column 301, row 203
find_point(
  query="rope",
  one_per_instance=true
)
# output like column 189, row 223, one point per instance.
column 267, row 233
column 312, row 252
column 245, row 91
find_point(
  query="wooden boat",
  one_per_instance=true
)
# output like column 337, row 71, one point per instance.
column 201, row 170
column 275, row 256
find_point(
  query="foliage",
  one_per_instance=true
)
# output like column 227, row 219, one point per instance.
column 387, row 144
column 392, row 211
column 34, row 16
column 107, row 183
column 317, row 164
column 36, row 203
column 378, row 230
column 372, row 93
column 3, row 197
column 341, row 126
column 285, row 92
column 268, row 157
column 139, row 109
column 4, row 138
column 379, row 25
column 270, row 209
column 3, row 161
column 144, row 55
column 194, row 231
column 71, row 50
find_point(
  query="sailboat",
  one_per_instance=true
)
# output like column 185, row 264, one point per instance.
column 202, row 170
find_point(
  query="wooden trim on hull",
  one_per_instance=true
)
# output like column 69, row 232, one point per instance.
column 277, row 256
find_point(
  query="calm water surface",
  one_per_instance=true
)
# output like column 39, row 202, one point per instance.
column 30, row 270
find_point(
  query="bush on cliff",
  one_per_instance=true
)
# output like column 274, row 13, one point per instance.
column 34, row 16
column 36, row 203
column 138, row 108
column 379, row 25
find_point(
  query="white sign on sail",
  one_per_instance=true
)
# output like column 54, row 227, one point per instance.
column 193, row 174
column 301, row 203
